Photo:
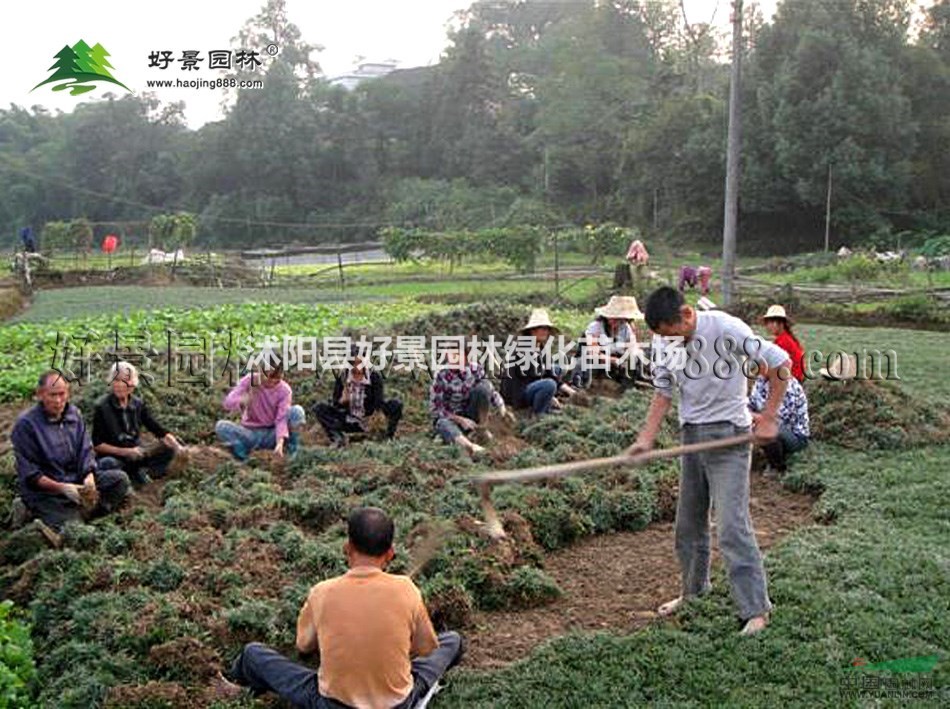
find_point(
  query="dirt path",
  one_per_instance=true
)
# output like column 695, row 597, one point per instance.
column 615, row 582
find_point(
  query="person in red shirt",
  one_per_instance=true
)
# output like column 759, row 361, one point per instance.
column 780, row 327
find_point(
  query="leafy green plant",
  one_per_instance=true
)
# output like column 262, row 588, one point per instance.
column 17, row 669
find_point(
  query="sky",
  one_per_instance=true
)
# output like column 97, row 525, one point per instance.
column 412, row 32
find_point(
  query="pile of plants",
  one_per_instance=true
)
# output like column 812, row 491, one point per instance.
column 868, row 414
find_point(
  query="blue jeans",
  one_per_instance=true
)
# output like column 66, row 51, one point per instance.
column 263, row 670
column 538, row 395
column 476, row 409
column 242, row 440
column 719, row 479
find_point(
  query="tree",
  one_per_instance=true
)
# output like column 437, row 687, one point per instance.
column 827, row 90
column 81, row 235
column 173, row 231
column 272, row 26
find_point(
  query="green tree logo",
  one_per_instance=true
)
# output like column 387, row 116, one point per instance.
column 78, row 66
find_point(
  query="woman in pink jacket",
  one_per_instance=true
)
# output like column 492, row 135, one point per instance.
column 269, row 419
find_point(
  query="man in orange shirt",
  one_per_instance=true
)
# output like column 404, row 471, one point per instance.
column 376, row 644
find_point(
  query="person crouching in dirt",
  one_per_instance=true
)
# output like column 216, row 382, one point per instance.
column 269, row 418
column 713, row 405
column 370, row 629
column 116, row 427
column 527, row 383
column 460, row 398
column 793, row 428
column 605, row 341
column 357, row 394
column 59, row 479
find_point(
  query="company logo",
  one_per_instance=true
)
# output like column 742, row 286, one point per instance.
column 77, row 68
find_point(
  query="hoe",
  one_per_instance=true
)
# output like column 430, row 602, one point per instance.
column 492, row 525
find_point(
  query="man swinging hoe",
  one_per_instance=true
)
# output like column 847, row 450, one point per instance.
column 713, row 405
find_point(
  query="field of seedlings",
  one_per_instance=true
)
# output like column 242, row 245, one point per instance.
column 141, row 608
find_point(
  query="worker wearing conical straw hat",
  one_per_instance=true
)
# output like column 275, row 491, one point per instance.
column 607, row 338
column 534, row 384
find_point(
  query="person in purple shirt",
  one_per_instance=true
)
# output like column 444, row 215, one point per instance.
column 269, row 419
column 55, row 460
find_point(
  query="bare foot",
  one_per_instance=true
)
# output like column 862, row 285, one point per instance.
column 670, row 607
column 755, row 625
column 225, row 689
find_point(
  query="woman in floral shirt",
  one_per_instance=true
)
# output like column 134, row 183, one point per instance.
column 459, row 400
column 793, row 429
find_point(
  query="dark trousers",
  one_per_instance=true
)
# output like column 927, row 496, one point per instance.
column 778, row 451
column 56, row 510
column 337, row 421
column 155, row 464
column 263, row 669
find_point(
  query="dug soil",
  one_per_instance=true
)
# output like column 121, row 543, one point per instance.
column 614, row 583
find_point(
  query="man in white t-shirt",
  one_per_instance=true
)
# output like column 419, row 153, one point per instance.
column 712, row 380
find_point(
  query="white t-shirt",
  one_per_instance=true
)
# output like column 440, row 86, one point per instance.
column 711, row 382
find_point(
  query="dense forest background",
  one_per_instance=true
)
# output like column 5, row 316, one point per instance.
column 539, row 113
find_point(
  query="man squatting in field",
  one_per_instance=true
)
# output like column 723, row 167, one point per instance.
column 59, row 479
column 375, row 644
column 713, row 405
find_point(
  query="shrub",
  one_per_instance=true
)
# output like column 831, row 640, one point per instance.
column 528, row 587
column 164, row 575
column 936, row 246
column 915, row 308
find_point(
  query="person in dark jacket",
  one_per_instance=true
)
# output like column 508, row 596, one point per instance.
column 117, row 425
column 530, row 384
column 55, row 462
column 357, row 394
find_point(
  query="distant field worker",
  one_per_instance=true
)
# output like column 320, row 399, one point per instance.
column 269, row 419
column 637, row 254
column 695, row 278
column 779, row 325
column 705, row 274
column 369, row 629
column 688, row 278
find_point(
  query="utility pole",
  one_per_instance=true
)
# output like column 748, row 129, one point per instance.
column 828, row 213
column 732, row 160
